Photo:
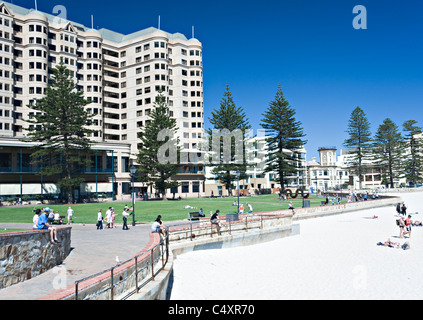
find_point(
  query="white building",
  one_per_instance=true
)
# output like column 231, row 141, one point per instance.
column 332, row 172
column 120, row 74
column 329, row 173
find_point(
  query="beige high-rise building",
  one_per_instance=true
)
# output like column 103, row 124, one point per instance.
column 120, row 74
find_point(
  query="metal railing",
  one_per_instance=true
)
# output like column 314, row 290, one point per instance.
column 145, row 267
column 206, row 229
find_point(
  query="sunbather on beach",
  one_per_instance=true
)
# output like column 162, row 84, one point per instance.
column 396, row 245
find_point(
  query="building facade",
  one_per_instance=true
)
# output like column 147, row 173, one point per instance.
column 332, row 172
column 328, row 173
column 120, row 74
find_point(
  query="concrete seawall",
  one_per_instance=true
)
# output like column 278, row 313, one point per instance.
column 160, row 289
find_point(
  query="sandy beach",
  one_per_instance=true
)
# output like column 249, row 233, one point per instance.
column 335, row 257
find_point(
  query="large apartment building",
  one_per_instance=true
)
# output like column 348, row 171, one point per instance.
column 120, row 74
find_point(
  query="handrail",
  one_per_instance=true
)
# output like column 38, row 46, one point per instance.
column 244, row 224
column 164, row 255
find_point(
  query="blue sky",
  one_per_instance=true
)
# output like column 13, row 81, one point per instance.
column 325, row 66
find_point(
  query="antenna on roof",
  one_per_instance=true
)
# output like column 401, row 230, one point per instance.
column 36, row 7
column 92, row 22
column 193, row 31
column 159, row 22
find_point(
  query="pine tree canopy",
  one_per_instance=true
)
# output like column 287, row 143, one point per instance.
column 285, row 137
column 227, row 119
column 359, row 141
column 414, row 144
column 388, row 151
column 60, row 129
column 153, row 167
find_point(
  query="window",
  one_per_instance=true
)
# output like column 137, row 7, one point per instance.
column 185, row 187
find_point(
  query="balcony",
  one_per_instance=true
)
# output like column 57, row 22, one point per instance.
column 191, row 170
column 36, row 170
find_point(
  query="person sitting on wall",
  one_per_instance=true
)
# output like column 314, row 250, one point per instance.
column 42, row 224
column 214, row 219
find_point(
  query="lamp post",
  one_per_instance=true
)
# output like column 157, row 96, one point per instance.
column 132, row 171
column 237, row 175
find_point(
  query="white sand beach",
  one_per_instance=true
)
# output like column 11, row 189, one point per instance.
column 335, row 257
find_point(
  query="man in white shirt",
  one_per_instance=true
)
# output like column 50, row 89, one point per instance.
column 70, row 215
column 125, row 215
column 100, row 220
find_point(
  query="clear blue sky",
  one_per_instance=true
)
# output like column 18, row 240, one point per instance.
column 325, row 66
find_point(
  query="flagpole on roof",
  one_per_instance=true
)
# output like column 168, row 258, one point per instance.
column 159, row 22
column 36, row 7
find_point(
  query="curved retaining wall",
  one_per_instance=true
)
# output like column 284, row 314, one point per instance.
column 158, row 289
column 27, row 254
column 95, row 288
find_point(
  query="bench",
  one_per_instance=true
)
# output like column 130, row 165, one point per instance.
column 60, row 221
column 193, row 216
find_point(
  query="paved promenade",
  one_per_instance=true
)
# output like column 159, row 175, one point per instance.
column 92, row 251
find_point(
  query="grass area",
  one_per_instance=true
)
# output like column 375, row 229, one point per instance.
column 147, row 211
column 12, row 230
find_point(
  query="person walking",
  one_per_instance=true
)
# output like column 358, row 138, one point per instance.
column 108, row 217
column 291, row 207
column 125, row 215
column 100, row 220
column 408, row 226
column 70, row 215
column 113, row 216
column 401, row 224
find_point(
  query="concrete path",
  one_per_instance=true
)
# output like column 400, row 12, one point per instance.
column 92, row 251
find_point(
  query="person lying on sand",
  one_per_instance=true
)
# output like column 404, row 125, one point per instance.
column 396, row 245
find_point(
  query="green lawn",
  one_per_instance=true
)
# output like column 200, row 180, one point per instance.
column 11, row 230
column 147, row 211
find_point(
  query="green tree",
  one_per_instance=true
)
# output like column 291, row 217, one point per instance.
column 230, row 125
column 60, row 131
column 158, row 154
column 359, row 141
column 414, row 162
column 388, row 150
column 285, row 138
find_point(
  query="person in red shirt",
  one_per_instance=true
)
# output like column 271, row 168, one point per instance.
column 408, row 226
